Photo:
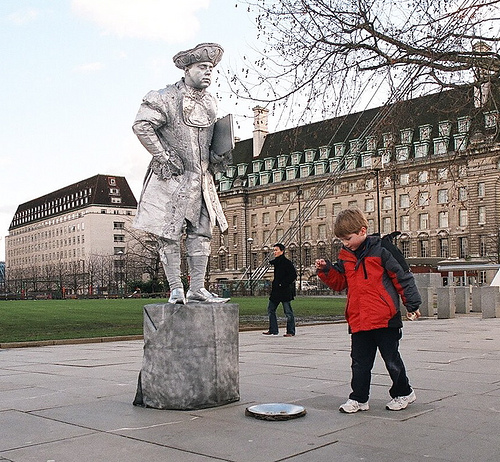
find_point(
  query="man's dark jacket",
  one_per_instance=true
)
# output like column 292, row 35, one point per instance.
column 283, row 287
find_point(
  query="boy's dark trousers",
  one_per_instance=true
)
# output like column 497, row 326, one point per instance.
column 364, row 346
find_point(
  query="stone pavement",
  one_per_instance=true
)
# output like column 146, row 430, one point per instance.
column 73, row 402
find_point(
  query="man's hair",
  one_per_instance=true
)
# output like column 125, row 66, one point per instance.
column 280, row 246
column 349, row 221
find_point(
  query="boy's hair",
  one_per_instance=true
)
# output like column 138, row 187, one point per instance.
column 349, row 221
column 280, row 246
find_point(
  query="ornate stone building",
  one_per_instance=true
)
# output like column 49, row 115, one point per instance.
column 427, row 167
column 73, row 240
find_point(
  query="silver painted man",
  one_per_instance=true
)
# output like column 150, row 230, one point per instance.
column 175, row 124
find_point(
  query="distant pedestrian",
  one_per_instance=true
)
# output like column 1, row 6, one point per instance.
column 374, row 280
column 282, row 291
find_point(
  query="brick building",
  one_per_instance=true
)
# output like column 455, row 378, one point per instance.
column 428, row 167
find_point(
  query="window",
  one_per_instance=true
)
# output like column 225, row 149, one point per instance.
column 322, row 231
column 266, row 218
column 483, row 246
column 406, row 135
column 402, row 153
column 423, row 198
column 119, row 225
column 442, row 173
column 423, row 221
column 386, row 225
column 404, row 179
column 405, row 223
column 423, row 247
column 481, row 190
column 462, row 217
column 321, row 211
column 279, row 216
column 336, row 209
column 292, row 214
column 442, row 196
column 463, row 247
column 423, row 176
column 462, row 193
column 309, row 155
column 405, row 248
column 119, row 238
column 253, row 219
column 421, row 150
column 443, row 219
column 352, row 204
column 307, row 233
column 386, row 203
column 369, row 205
column 444, row 248
column 425, row 132
column 116, row 200
column 353, row 187
column 481, row 215
column 404, row 201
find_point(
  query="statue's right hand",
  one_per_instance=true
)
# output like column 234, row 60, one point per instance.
column 175, row 164
column 166, row 166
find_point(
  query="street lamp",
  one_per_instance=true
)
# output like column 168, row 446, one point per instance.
column 120, row 254
column 299, row 194
column 250, row 241
column 376, row 167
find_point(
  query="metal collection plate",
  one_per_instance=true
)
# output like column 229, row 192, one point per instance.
column 275, row 411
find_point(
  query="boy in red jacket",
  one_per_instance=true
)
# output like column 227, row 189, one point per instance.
column 374, row 280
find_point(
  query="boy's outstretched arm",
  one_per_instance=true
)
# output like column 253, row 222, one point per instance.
column 332, row 275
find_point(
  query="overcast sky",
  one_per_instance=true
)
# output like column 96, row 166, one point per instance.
column 74, row 73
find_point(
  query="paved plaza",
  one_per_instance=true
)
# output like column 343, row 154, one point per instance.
column 67, row 403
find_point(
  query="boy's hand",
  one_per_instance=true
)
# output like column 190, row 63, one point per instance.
column 413, row 315
column 320, row 264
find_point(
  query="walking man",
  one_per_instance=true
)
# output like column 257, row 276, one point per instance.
column 282, row 291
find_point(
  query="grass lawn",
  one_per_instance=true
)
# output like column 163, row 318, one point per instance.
column 34, row 320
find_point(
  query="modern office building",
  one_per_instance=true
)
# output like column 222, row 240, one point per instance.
column 428, row 167
column 73, row 240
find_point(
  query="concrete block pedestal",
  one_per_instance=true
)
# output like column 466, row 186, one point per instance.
column 490, row 302
column 190, row 356
column 446, row 305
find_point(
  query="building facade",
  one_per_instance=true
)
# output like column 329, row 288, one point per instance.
column 72, row 241
column 428, row 168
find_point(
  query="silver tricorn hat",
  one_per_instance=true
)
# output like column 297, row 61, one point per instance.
column 204, row 52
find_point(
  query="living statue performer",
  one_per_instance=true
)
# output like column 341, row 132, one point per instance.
column 176, row 125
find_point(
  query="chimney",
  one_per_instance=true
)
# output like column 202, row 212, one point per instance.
column 482, row 90
column 260, row 129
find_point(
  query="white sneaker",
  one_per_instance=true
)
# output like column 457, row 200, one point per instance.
column 401, row 402
column 351, row 406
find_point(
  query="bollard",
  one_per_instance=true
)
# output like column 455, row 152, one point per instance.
column 427, row 308
column 462, row 299
column 490, row 302
column 446, row 302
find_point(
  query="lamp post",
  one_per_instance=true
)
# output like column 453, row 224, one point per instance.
column 376, row 167
column 120, row 289
column 250, row 240
column 299, row 194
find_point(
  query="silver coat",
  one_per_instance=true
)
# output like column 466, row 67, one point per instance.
column 177, row 122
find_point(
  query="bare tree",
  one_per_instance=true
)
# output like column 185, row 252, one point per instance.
column 325, row 56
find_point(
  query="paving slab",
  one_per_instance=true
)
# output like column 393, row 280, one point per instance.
column 73, row 402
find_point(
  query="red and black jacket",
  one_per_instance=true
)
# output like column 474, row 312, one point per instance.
column 374, row 280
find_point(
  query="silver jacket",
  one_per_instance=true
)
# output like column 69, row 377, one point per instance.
column 177, row 123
